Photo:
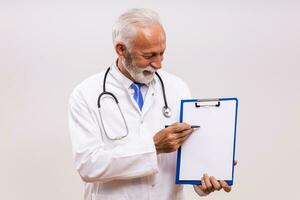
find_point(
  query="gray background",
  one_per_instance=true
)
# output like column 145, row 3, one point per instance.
column 245, row 49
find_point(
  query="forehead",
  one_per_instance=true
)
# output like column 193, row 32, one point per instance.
column 149, row 39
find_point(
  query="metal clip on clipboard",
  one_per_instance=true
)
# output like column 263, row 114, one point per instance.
column 207, row 103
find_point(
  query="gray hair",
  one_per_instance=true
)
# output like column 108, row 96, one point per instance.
column 126, row 26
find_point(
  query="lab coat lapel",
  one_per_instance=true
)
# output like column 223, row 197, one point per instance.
column 125, row 84
column 134, row 103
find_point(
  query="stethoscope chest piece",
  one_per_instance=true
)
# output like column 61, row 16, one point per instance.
column 167, row 112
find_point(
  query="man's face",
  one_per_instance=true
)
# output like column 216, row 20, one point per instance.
column 146, row 54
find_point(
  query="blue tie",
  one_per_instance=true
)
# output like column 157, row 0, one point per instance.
column 138, row 97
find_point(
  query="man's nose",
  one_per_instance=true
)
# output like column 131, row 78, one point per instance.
column 156, row 63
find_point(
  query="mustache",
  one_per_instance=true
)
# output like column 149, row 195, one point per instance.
column 149, row 69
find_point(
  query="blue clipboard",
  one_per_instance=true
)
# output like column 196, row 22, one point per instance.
column 209, row 114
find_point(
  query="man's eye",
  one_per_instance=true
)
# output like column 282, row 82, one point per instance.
column 148, row 56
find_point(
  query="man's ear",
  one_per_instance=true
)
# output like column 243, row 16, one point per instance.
column 120, row 49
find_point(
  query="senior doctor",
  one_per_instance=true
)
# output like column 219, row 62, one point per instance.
column 117, row 119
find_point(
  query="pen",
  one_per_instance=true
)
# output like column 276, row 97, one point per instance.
column 192, row 126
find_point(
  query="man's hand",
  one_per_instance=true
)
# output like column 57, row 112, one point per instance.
column 210, row 184
column 169, row 139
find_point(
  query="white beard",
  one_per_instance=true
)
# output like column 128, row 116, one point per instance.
column 139, row 75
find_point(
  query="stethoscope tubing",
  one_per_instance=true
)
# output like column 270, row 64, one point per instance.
column 166, row 109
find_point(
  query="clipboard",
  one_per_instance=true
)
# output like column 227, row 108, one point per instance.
column 211, row 148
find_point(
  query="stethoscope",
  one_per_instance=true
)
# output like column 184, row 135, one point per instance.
column 165, row 110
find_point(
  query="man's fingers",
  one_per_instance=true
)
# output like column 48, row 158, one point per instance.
column 173, row 136
column 174, row 124
column 225, row 186
column 235, row 162
column 203, row 186
column 210, row 184
column 182, row 137
column 215, row 183
column 179, row 127
column 184, row 133
column 207, row 183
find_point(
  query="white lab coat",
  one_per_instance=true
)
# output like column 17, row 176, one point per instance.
column 127, row 168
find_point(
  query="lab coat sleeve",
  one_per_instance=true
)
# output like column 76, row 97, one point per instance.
column 93, row 161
